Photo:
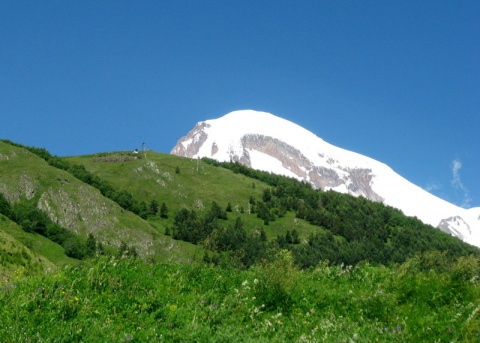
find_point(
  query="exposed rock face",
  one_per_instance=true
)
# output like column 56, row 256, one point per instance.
column 361, row 183
column 188, row 146
column 356, row 181
column 25, row 186
column 214, row 149
column 454, row 226
column 80, row 212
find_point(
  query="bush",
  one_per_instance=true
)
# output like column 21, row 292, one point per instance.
column 466, row 269
column 74, row 247
column 275, row 282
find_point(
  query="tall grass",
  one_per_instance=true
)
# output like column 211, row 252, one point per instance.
column 127, row 300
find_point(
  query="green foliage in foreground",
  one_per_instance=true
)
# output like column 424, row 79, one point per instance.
column 424, row 299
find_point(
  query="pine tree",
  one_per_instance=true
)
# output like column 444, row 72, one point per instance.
column 153, row 207
column 163, row 210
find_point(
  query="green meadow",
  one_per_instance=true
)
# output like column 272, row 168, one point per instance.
column 127, row 300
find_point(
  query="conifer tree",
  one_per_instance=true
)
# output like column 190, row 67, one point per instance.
column 164, row 210
column 153, row 207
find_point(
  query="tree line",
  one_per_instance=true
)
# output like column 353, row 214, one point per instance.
column 351, row 229
column 33, row 220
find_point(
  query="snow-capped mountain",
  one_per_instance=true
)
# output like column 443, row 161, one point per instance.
column 263, row 141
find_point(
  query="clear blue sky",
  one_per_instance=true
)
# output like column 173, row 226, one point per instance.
column 398, row 81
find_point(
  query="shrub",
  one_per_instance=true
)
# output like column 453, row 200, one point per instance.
column 275, row 282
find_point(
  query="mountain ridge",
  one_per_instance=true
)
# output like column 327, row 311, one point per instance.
column 264, row 141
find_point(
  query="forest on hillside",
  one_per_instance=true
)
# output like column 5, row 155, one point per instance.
column 349, row 230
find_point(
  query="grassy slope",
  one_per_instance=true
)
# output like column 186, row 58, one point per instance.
column 155, row 178
column 113, row 300
column 22, row 253
column 80, row 207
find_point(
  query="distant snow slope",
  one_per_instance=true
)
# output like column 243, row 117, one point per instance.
column 266, row 142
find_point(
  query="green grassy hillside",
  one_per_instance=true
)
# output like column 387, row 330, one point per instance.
column 80, row 208
column 186, row 183
column 22, row 255
column 324, row 225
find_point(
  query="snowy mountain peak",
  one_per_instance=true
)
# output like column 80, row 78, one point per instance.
column 233, row 126
column 264, row 141
column 239, row 123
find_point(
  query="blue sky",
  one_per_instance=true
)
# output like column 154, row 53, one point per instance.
column 398, row 81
